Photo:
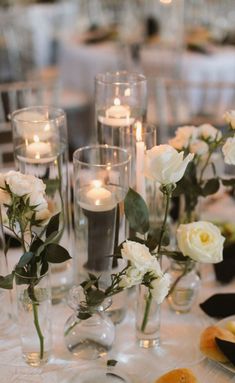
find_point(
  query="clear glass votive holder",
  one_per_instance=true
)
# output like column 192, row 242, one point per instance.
column 120, row 100
column 41, row 149
column 101, row 181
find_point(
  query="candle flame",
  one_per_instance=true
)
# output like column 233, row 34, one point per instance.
column 97, row 184
column 138, row 131
column 165, row 1
column 117, row 101
column 127, row 92
column 36, row 138
column 37, row 156
column 47, row 127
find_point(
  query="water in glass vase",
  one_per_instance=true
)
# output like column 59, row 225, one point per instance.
column 50, row 164
column 108, row 127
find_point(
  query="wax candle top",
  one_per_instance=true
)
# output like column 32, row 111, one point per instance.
column 138, row 126
column 97, row 197
column 117, row 110
column 38, row 149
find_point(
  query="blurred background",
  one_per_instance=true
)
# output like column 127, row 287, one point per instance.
column 54, row 50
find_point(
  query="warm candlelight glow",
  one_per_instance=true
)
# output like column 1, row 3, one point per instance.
column 99, row 195
column 117, row 101
column 36, row 138
column 165, row 1
column 138, row 131
column 127, row 92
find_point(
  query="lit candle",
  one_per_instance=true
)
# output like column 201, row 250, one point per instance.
column 98, row 198
column 140, row 149
column 38, row 150
column 117, row 115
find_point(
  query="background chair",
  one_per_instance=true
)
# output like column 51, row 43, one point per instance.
column 190, row 103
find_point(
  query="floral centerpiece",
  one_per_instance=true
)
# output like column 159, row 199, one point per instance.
column 29, row 220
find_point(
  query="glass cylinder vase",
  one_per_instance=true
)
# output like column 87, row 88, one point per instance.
column 185, row 285
column 34, row 317
column 89, row 333
column 101, row 176
column 148, row 317
column 41, row 149
column 120, row 101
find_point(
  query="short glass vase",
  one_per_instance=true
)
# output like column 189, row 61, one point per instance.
column 148, row 318
column 89, row 333
column 34, row 318
column 185, row 285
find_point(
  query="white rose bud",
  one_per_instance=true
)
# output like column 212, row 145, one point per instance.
column 201, row 241
column 5, row 198
column 164, row 164
column 229, row 117
column 183, row 137
column 132, row 277
column 228, row 150
column 160, row 287
column 209, row 132
column 138, row 255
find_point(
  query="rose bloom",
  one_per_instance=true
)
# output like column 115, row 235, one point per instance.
column 183, row 137
column 164, row 164
column 138, row 255
column 198, row 147
column 132, row 277
column 160, row 288
column 209, row 132
column 228, row 150
column 229, row 117
column 25, row 184
column 201, row 241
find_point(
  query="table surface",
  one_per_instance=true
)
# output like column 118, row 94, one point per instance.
column 179, row 347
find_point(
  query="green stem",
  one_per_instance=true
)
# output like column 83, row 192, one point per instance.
column 35, row 305
column 185, row 271
column 146, row 311
column 163, row 227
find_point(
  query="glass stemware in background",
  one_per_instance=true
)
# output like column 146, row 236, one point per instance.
column 120, row 101
column 101, row 181
column 41, row 149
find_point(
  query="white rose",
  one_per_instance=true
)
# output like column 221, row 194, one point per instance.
column 164, row 164
column 5, row 198
column 160, row 287
column 138, row 255
column 228, row 150
column 198, row 147
column 201, row 241
column 2, row 180
column 155, row 268
column 229, row 117
column 209, row 132
column 132, row 277
column 183, row 136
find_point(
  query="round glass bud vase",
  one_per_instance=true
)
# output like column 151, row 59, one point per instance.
column 185, row 285
column 89, row 333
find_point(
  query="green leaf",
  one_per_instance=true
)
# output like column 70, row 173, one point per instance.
column 230, row 182
column 112, row 362
column 7, row 281
column 95, row 297
column 83, row 315
column 51, row 186
column 56, row 253
column 36, row 244
column 136, row 212
column 154, row 238
column 211, row 187
column 25, row 259
column 53, row 225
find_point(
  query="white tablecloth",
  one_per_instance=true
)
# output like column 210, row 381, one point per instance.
column 179, row 334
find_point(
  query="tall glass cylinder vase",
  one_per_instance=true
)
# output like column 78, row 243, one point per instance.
column 120, row 100
column 40, row 146
column 148, row 315
column 101, row 175
column 34, row 318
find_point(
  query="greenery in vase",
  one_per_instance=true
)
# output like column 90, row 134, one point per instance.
column 31, row 223
column 203, row 141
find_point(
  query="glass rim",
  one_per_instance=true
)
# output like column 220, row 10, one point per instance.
column 104, row 146
column 101, row 78
column 17, row 112
column 29, row 278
